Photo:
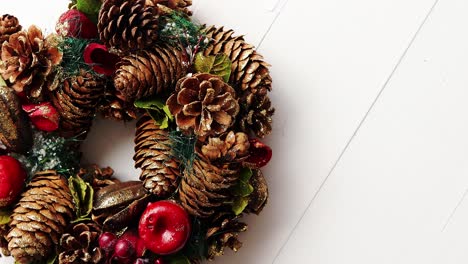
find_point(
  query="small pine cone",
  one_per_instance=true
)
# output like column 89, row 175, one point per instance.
column 98, row 177
column 8, row 25
column 205, row 187
column 204, row 104
column 76, row 101
column 222, row 233
column 3, row 242
column 80, row 245
column 113, row 106
column 229, row 147
column 160, row 171
column 28, row 61
column 256, row 115
column 167, row 6
column 259, row 197
column 149, row 72
column 127, row 25
column 40, row 218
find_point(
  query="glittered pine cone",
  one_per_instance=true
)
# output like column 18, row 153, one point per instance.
column 203, row 104
column 149, row 72
column 205, row 187
column 40, row 218
column 114, row 106
column 229, row 147
column 259, row 197
column 98, row 177
column 80, row 245
column 256, row 113
column 153, row 155
column 3, row 242
column 8, row 25
column 167, row 6
column 76, row 101
column 28, row 61
column 250, row 75
column 127, row 25
column 223, row 232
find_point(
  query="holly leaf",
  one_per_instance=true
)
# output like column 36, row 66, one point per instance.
column 157, row 109
column 239, row 205
column 243, row 188
column 51, row 259
column 219, row 65
column 178, row 259
column 90, row 8
column 82, row 194
column 5, row 216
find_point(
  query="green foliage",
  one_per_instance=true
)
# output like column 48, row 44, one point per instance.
column 157, row 110
column 177, row 259
column 90, row 8
column 72, row 60
column 219, row 65
column 183, row 148
column 51, row 152
column 5, row 216
column 197, row 246
column 82, row 194
column 241, row 191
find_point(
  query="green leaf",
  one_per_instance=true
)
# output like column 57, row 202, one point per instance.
column 219, row 65
column 243, row 188
column 178, row 259
column 157, row 109
column 239, row 205
column 51, row 259
column 82, row 194
column 90, row 8
column 5, row 217
column 150, row 103
column 2, row 82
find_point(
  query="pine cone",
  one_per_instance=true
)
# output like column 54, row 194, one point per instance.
column 3, row 242
column 205, row 187
column 204, row 104
column 160, row 171
column 76, row 101
column 250, row 75
column 229, row 147
column 98, row 177
column 28, row 61
column 8, row 25
column 40, row 218
column 80, row 245
column 149, row 72
column 259, row 197
column 223, row 233
column 256, row 115
column 113, row 106
column 167, row 6
column 127, row 25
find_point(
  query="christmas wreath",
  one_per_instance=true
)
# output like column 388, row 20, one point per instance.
column 200, row 94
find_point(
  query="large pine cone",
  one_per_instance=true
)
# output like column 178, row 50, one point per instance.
column 250, row 75
column 231, row 146
column 255, row 116
column 204, row 104
column 167, row 6
column 28, row 61
column 160, row 171
column 205, row 187
column 127, row 25
column 223, row 233
column 114, row 106
column 76, row 101
column 80, row 245
column 8, row 25
column 40, row 218
column 149, row 72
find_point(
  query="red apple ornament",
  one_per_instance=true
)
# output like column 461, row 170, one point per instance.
column 43, row 116
column 164, row 227
column 74, row 23
column 12, row 178
column 259, row 153
column 97, row 57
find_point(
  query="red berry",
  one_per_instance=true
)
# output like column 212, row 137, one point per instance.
column 124, row 249
column 74, row 23
column 259, row 153
column 159, row 261
column 97, row 57
column 12, row 179
column 131, row 235
column 164, row 227
column 107, row 241
column 43, row 116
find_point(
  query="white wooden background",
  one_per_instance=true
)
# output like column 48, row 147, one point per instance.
column 370, row 135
